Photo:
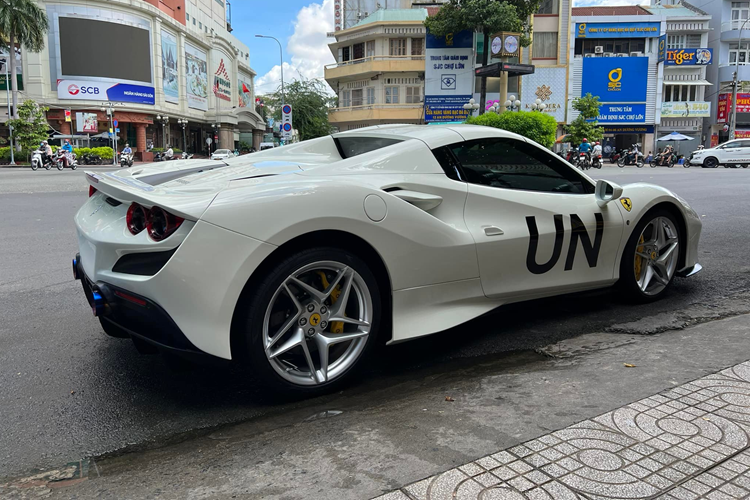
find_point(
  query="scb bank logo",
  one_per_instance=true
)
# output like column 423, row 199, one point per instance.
column 74, row 89
column 614, row 84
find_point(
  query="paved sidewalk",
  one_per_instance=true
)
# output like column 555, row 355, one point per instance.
column 688, row 442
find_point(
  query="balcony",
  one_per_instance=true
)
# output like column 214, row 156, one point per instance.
column 726, row 71
column 730, row 30
column 372, row 65
column 377, row 113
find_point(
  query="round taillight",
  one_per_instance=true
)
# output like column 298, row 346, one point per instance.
column 136, row 219
column 161, row 223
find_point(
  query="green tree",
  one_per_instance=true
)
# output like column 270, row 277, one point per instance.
column 537, row 126
column 30, row 128
column 585, row 125
column 485, row 17
column 310, row 101
column 25, row 23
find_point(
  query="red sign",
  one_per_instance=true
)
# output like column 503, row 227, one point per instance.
column 216, row 137
column 741, row 134
column 724, row 106
column 714, row 140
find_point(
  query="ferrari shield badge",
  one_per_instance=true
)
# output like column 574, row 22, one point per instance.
column 626, row 203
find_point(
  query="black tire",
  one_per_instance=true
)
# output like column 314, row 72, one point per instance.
column 744, row 165
column 627, row 282
column 256, row 302
column 73, row 167
column 60, row 165
column 621, row 162
column 34, row 165
column 48, row 166
column 639, row 163
column 710, row 162
column 653, row 164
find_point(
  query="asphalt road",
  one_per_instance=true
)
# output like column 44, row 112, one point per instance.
column 67, row 391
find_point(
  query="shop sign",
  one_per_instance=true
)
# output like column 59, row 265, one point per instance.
column 689, row 57
column 99, row 90
column 449, row 76
column 714, row 140
column 628, row 129
column 724, row 106
column 617, row 30
column 622, row 113
column 549, row 85
column 338, row 14
column 222, row 85
column 662, row 48
column 698, row 109
column 615, row 79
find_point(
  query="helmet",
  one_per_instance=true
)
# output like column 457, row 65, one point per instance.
column 127, row 145
column 585, row 140
column 596, row 143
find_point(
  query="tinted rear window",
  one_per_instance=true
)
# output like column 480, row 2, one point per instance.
column 354, row 146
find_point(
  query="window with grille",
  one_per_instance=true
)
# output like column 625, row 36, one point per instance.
column 417, row 46
column 371, row 96
column 397, row 46
column 735, row 51
column 413, row 95
column 391, row 95
column 680, row 93
column 346, row 54
column 359, row 50
column 545, row 45
column 346, row 98
column 370, row 48
column 357, row 97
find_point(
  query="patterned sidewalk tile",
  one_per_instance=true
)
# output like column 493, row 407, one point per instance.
column 689, row 442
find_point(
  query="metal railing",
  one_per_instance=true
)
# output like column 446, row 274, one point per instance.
column 375, row 58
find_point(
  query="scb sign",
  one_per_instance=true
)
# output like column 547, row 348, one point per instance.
column 615, row 79
column 76, row 90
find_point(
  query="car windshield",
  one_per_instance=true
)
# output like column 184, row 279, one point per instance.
column 221, row 152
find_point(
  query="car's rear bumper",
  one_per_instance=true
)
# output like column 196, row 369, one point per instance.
column 133, row 314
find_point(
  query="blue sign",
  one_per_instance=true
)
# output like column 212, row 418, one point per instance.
column 117, row 130
column 460, row 40
column 629, row 129
column 662, row 48
column 622, row 113
column 446, row 108
column 124, row 92
column 449, row 76
column 689, row 57
column 617, row 30
column 615, row 79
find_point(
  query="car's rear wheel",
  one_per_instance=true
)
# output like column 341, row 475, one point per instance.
column 650, row 259
column 312, row 321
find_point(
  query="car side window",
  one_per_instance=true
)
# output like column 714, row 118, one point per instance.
column 513, row 164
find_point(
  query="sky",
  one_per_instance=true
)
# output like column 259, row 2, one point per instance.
column 301, row 27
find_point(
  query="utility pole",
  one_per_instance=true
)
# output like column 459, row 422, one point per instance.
column 7, row 96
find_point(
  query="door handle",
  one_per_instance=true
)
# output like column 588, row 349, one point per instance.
column 424, row 201
column 493, row 231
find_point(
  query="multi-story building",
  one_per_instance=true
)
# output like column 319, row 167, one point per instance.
column 169, row 70
column 379, row 71
column 685, row 87
column 729, row 41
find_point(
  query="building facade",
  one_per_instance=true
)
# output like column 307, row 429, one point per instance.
column 160, row 72
column 380, row 68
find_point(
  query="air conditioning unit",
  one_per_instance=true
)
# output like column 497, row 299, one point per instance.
column 599, row 49
column 588, row 55
column 622, row 54
column 609, row 54
column 636, row 54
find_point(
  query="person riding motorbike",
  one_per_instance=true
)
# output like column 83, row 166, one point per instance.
column 67, row 149
column 632, row 155
column 127, row 150
column 169, row 154
column 585, row 147
column 667, row 155
column 596, row 154
column 46, row 150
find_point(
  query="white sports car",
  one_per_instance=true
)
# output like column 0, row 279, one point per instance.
column 299, row 259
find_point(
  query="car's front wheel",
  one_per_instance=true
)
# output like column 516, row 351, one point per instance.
column 313, row 320
column 710, row 162
column 650, row 259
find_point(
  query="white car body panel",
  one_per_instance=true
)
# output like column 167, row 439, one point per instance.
column 442, row 266
column 731, row 152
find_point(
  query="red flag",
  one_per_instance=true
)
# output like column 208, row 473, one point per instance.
column 244, row 88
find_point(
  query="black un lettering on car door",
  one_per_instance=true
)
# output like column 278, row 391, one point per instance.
column 578, row 232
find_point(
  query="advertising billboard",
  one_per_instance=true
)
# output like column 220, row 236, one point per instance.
column 244, row 92
column 197, row 78
column 170, row 81
column 689, row 57
column 449, row 76
column 80, row 90
column 222, row 87
column 549, row 85
column 97, row 41
column 617, row 30
column 724, row 106
column 697, row 109
column 615, row 79
column 662, row 48
column 87, row 123
column 622, row 113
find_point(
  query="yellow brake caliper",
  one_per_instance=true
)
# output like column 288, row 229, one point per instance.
column 638, row 260
column 336, row 326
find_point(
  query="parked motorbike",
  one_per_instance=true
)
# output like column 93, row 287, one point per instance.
column 126, row 160
column 633, row 157
column 660, row 160
column 91, row 159
column 572, row 156
column 616, row 155
column 186, row 156
column 40, row 159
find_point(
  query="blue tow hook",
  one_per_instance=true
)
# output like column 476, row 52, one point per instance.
column 98, row 304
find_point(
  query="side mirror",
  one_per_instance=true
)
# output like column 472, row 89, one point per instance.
column 606, row 191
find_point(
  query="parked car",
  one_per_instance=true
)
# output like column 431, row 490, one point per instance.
column 222, row 154
column 734, row 153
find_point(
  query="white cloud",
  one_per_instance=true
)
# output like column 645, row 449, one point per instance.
column 307, row 48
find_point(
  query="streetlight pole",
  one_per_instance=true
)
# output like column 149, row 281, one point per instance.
column 733, row 121
column 163, row 120
column 512, row 104
column 7, row 97
column 281, row 65
column 183, row 122
column 471, row 106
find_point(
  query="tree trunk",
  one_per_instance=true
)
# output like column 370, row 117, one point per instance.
column 12, row 76
column 483, row 87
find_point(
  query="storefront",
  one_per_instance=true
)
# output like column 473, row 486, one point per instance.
column 549, row 85
column 618, row 137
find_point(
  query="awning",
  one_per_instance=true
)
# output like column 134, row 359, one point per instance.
column 688, row 82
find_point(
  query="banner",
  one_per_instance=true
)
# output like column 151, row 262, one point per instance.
column 615, row 79
column 662, row 48
column 689, row 57
column 170, row 81
column 449, row 76
column 549, row 85
column 87, row 123
column 628, row 129
column 244, row 93
column 97, row 90
column 222, row 87
column 622, row 113
column 724, row 106
column 617, row 30
column 697, row 109
column 197, row 78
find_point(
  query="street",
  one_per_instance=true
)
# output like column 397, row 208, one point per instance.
column 68, row 392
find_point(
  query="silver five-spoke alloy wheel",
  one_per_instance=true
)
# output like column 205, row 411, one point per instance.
column 656, row 255
column 317, row 323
